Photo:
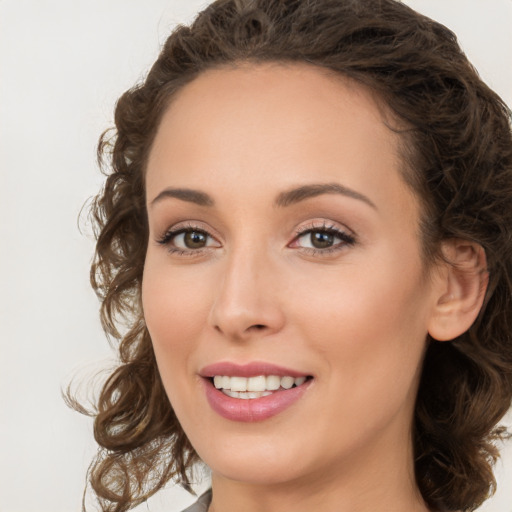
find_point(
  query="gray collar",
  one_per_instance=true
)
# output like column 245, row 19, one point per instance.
column 202, row 504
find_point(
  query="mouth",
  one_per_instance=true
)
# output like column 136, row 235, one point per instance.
column 253, row 392
column 251, row 388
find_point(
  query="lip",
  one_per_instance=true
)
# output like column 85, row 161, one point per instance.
column 255, row 409
column 252, row 369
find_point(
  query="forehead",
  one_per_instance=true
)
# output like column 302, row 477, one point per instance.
column 273, row 126
column 257, row 94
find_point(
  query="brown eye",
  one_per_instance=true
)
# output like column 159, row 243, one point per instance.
column 188, row 240
column 194, row 239
column 321, row 239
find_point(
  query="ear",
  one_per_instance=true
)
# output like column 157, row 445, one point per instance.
column 461, row 283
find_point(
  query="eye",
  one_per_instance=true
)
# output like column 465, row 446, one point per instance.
column 318, row 239
column 323, row 239
column 191, row 240
column 188, row 240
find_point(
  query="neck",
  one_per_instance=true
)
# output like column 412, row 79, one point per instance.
column 380, row 479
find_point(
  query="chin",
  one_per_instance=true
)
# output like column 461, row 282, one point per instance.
column 257, row 461
column 257, row 471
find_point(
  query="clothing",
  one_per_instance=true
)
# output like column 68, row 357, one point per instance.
column 202, row 504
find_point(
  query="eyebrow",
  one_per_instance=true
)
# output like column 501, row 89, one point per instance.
column 185, row 194
column 284, row 199
column 298, row 194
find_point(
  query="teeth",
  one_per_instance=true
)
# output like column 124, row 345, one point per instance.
column 299, row 381
column 287, row 382
column 273, row 382
column 259, row 384
column 239, row 384
column 246, row 395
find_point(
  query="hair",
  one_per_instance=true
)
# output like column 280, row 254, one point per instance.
column 458, row 161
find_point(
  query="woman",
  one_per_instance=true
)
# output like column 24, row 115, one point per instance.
column 307, row 227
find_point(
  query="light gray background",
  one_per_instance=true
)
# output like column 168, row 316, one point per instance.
column 62, row 65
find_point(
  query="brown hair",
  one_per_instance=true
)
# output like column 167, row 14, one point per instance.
column 459, row 162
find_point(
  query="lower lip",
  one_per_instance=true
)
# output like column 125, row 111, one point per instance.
column 252, row 409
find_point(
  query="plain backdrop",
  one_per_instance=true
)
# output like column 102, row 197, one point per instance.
column 63, row 63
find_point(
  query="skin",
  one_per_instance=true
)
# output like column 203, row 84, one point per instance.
column 355, row 318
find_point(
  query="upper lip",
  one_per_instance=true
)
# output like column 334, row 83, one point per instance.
column 252, row 369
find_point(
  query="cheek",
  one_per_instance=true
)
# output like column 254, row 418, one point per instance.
column 361, row 300
column 175, row 310
column 370, row 323
column 173, row 303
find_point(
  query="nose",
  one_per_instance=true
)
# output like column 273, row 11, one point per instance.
column 247, row 301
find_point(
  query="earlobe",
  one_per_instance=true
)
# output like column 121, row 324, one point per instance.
column 460, row 291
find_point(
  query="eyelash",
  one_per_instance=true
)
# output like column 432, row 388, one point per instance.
column 171, row 234
column 346, row 238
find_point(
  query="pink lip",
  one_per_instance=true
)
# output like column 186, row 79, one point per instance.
column 248, row 370
column 256, row 409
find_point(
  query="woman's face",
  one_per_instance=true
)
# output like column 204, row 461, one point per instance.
column 284, row 244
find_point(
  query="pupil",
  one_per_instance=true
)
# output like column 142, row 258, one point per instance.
column 321, row 240
column 195, row 240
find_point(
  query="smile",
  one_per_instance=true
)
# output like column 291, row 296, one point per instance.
column 253, row 392
column 255, row 387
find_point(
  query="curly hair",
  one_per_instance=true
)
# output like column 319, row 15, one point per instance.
column 457, row 151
